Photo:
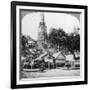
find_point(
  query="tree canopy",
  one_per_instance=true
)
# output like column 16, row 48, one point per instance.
column 65, row 41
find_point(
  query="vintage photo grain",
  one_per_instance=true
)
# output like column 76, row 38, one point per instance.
column 50, row 44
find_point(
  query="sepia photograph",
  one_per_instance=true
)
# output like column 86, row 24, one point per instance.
column 49, row 44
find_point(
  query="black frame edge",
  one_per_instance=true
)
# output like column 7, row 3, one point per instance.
column 51, row 84
column 86, row 45
column 13, row 45
column 42, row 4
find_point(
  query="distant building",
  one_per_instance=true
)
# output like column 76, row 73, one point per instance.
column 59, row 57
column 42, row 33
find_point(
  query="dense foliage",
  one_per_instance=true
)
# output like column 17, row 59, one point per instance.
column 29, row 48
column 65, row 41
column 56, row 38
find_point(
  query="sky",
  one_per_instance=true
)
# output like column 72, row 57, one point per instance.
column 30, row 23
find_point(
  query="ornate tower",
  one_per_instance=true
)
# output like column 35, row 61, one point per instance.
column 42, row 28
column 42, row 31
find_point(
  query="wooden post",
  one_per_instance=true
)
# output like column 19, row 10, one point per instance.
column 31, row 64
column 48, row 65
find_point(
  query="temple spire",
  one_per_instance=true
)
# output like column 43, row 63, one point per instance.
column 42, row 32
column 42, row 17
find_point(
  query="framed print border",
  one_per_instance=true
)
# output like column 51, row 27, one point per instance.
column 14, row 51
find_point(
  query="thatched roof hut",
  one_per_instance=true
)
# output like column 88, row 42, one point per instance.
column 59, row 56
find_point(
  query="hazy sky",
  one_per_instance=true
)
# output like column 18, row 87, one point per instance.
column 30, row 23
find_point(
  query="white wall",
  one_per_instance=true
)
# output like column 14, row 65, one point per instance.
column 5, row 44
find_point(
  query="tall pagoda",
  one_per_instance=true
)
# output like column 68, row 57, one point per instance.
column 42, row 32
